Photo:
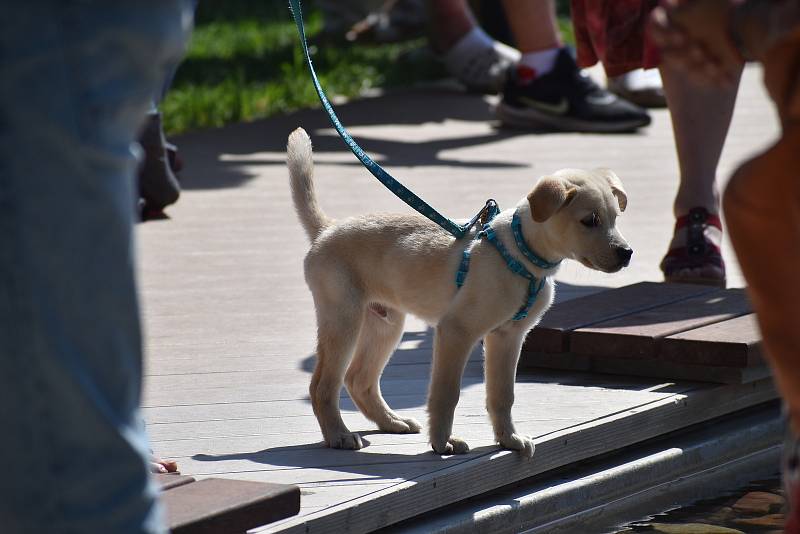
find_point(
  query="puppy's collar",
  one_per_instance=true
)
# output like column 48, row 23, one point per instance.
column 531, row 256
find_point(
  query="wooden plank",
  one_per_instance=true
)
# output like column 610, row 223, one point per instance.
column 650, row 368
column 377, row 459
column 405, row 358
column 215, row 505
column 279, row 351
column 331, row 477
column 318, row 497
column 217, row 444
column 638, row 335
column 205, row 456
column 199, row 361
column 302, row 377
column 272, row 391
column 498, row 468
column 473, row 405
column 551, row 334
column 733, row 343
column 539, row 402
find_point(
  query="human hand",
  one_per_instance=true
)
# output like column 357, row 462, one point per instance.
column 695, row 37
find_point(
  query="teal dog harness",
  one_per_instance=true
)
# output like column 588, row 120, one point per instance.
column 534, row 284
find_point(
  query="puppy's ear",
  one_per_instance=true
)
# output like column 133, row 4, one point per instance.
column 550, row 195
column 616, row 187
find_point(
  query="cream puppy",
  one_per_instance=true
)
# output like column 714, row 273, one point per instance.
column 367, row 272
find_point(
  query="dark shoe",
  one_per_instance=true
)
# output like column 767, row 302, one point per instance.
column 699, row 260
column 565, row 99
column 158, row 185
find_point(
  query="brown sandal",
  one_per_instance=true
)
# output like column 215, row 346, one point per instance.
column 699, row 253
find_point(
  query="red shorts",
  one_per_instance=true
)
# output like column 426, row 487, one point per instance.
column 614, row 33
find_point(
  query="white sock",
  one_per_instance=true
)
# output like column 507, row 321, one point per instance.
column 541, row 61
column 480, row 62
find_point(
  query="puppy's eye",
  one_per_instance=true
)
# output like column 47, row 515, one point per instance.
column 591, row 221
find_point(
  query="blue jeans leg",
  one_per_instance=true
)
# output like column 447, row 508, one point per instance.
column 76, row 78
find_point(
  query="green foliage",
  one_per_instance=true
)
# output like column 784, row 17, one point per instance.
column 244, row 62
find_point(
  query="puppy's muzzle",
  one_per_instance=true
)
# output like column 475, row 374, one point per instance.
column 624, row 255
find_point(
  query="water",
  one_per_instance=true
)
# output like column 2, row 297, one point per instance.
column 757, row 507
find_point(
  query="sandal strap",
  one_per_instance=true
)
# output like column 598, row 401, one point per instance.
column 699, row 250
column 696, row 222
column 698, row 215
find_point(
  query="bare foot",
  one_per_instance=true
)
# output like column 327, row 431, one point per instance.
column 157, row 465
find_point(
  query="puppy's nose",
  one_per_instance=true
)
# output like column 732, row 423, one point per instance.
column 624, row 254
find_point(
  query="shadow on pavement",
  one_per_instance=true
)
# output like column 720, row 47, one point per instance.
column 218, row 158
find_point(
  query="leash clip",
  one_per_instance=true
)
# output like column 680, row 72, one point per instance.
column 489, row 211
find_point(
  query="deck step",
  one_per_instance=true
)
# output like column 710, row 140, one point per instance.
column 676, row 331
column 734, row 342
column 218, row 505
column 638, row 334
column 552, row 334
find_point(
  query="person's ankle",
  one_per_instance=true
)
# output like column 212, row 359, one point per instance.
column 449, row 31
column 680, row 209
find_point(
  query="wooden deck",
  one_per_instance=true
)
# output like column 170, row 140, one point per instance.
column 230, row 325
column 222, row 505
column 673, row 331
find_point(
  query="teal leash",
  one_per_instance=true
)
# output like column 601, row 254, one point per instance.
column 405, row 194
column 485, row 215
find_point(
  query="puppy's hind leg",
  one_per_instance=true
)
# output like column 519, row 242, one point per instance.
column 380, row 334
column 338, row 325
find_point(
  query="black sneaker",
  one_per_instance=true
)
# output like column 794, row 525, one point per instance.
column 565, row 99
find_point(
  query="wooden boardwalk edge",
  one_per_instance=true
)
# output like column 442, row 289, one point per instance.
column 498, row 468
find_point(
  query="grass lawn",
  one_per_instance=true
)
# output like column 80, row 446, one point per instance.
column 244, row 62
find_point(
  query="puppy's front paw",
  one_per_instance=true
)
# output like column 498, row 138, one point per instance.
column 413, row 425
column 401, row 425
column 523, row 444
column 453, row 445
column 348, row 440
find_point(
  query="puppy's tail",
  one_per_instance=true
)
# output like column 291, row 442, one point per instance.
column 301, row 174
